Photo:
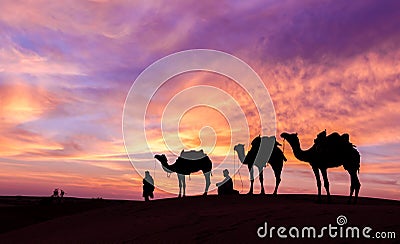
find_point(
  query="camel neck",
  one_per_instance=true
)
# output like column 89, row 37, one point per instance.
column 241, row 155
column 298, row 152
column 165, row 166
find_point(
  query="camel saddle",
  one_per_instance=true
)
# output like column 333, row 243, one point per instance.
column 193, row 154
column 333, row 140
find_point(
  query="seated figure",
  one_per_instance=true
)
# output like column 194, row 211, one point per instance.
column 225, row 187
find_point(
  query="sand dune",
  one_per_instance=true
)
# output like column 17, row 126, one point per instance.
column 192, row 219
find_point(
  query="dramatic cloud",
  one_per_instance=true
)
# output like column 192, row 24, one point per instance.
column 66, row 68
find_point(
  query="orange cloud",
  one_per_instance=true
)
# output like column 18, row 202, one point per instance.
column 65, row 69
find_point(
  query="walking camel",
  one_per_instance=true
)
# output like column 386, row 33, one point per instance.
column 329, row 152
column 263, row 149
column 187, row 163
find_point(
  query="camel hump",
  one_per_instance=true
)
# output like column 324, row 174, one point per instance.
column 256, row 142
column 193, row 154
column 339, row 140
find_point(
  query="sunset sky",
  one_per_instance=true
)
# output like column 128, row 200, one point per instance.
column 66, row 68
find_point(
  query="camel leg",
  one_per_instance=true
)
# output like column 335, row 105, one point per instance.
column 326, row 183
column 208, row 182
column 317, row 177
column 351, row 186
column 277, row 173
column 251, row 171
column 355, row 186
column 261, row 175
column 351, row 190
column 182, row 184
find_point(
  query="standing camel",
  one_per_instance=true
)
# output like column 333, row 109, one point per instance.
column 259, row 154
column 329, row 152
column 187, row 163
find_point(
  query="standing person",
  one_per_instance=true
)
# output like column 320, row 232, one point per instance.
column 62, row 193
column 148, row 186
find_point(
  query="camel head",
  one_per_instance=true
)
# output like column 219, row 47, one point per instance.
column 162, row 158
column 239, row 148
column 290, row 137
column 164, row 162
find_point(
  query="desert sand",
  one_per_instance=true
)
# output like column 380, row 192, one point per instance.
column 191, row 219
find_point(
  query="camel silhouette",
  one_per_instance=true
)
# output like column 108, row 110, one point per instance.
column 329, row 152
column 187, row 163
column 259, row 154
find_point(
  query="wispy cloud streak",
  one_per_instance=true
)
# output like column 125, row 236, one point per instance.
column 66, row 67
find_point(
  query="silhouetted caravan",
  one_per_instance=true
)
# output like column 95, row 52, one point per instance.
column 148, row 186
column 259, row 156
column 187, row 163
column 225, row 187
column 329, row 152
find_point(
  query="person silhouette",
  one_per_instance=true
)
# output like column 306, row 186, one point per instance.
column 148, row 186
column 62, row 193
column 225, row 187
column 55, row 193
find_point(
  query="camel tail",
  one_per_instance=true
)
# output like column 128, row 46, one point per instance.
column 357, row 159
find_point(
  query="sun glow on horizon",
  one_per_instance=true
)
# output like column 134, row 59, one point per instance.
column 65, row 75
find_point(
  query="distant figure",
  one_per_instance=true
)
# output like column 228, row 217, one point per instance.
column 225, row 187
column 55, row 193
column 62, row 193
column 148, row 186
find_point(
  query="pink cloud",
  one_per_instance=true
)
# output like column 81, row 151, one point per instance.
column 65, row 69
